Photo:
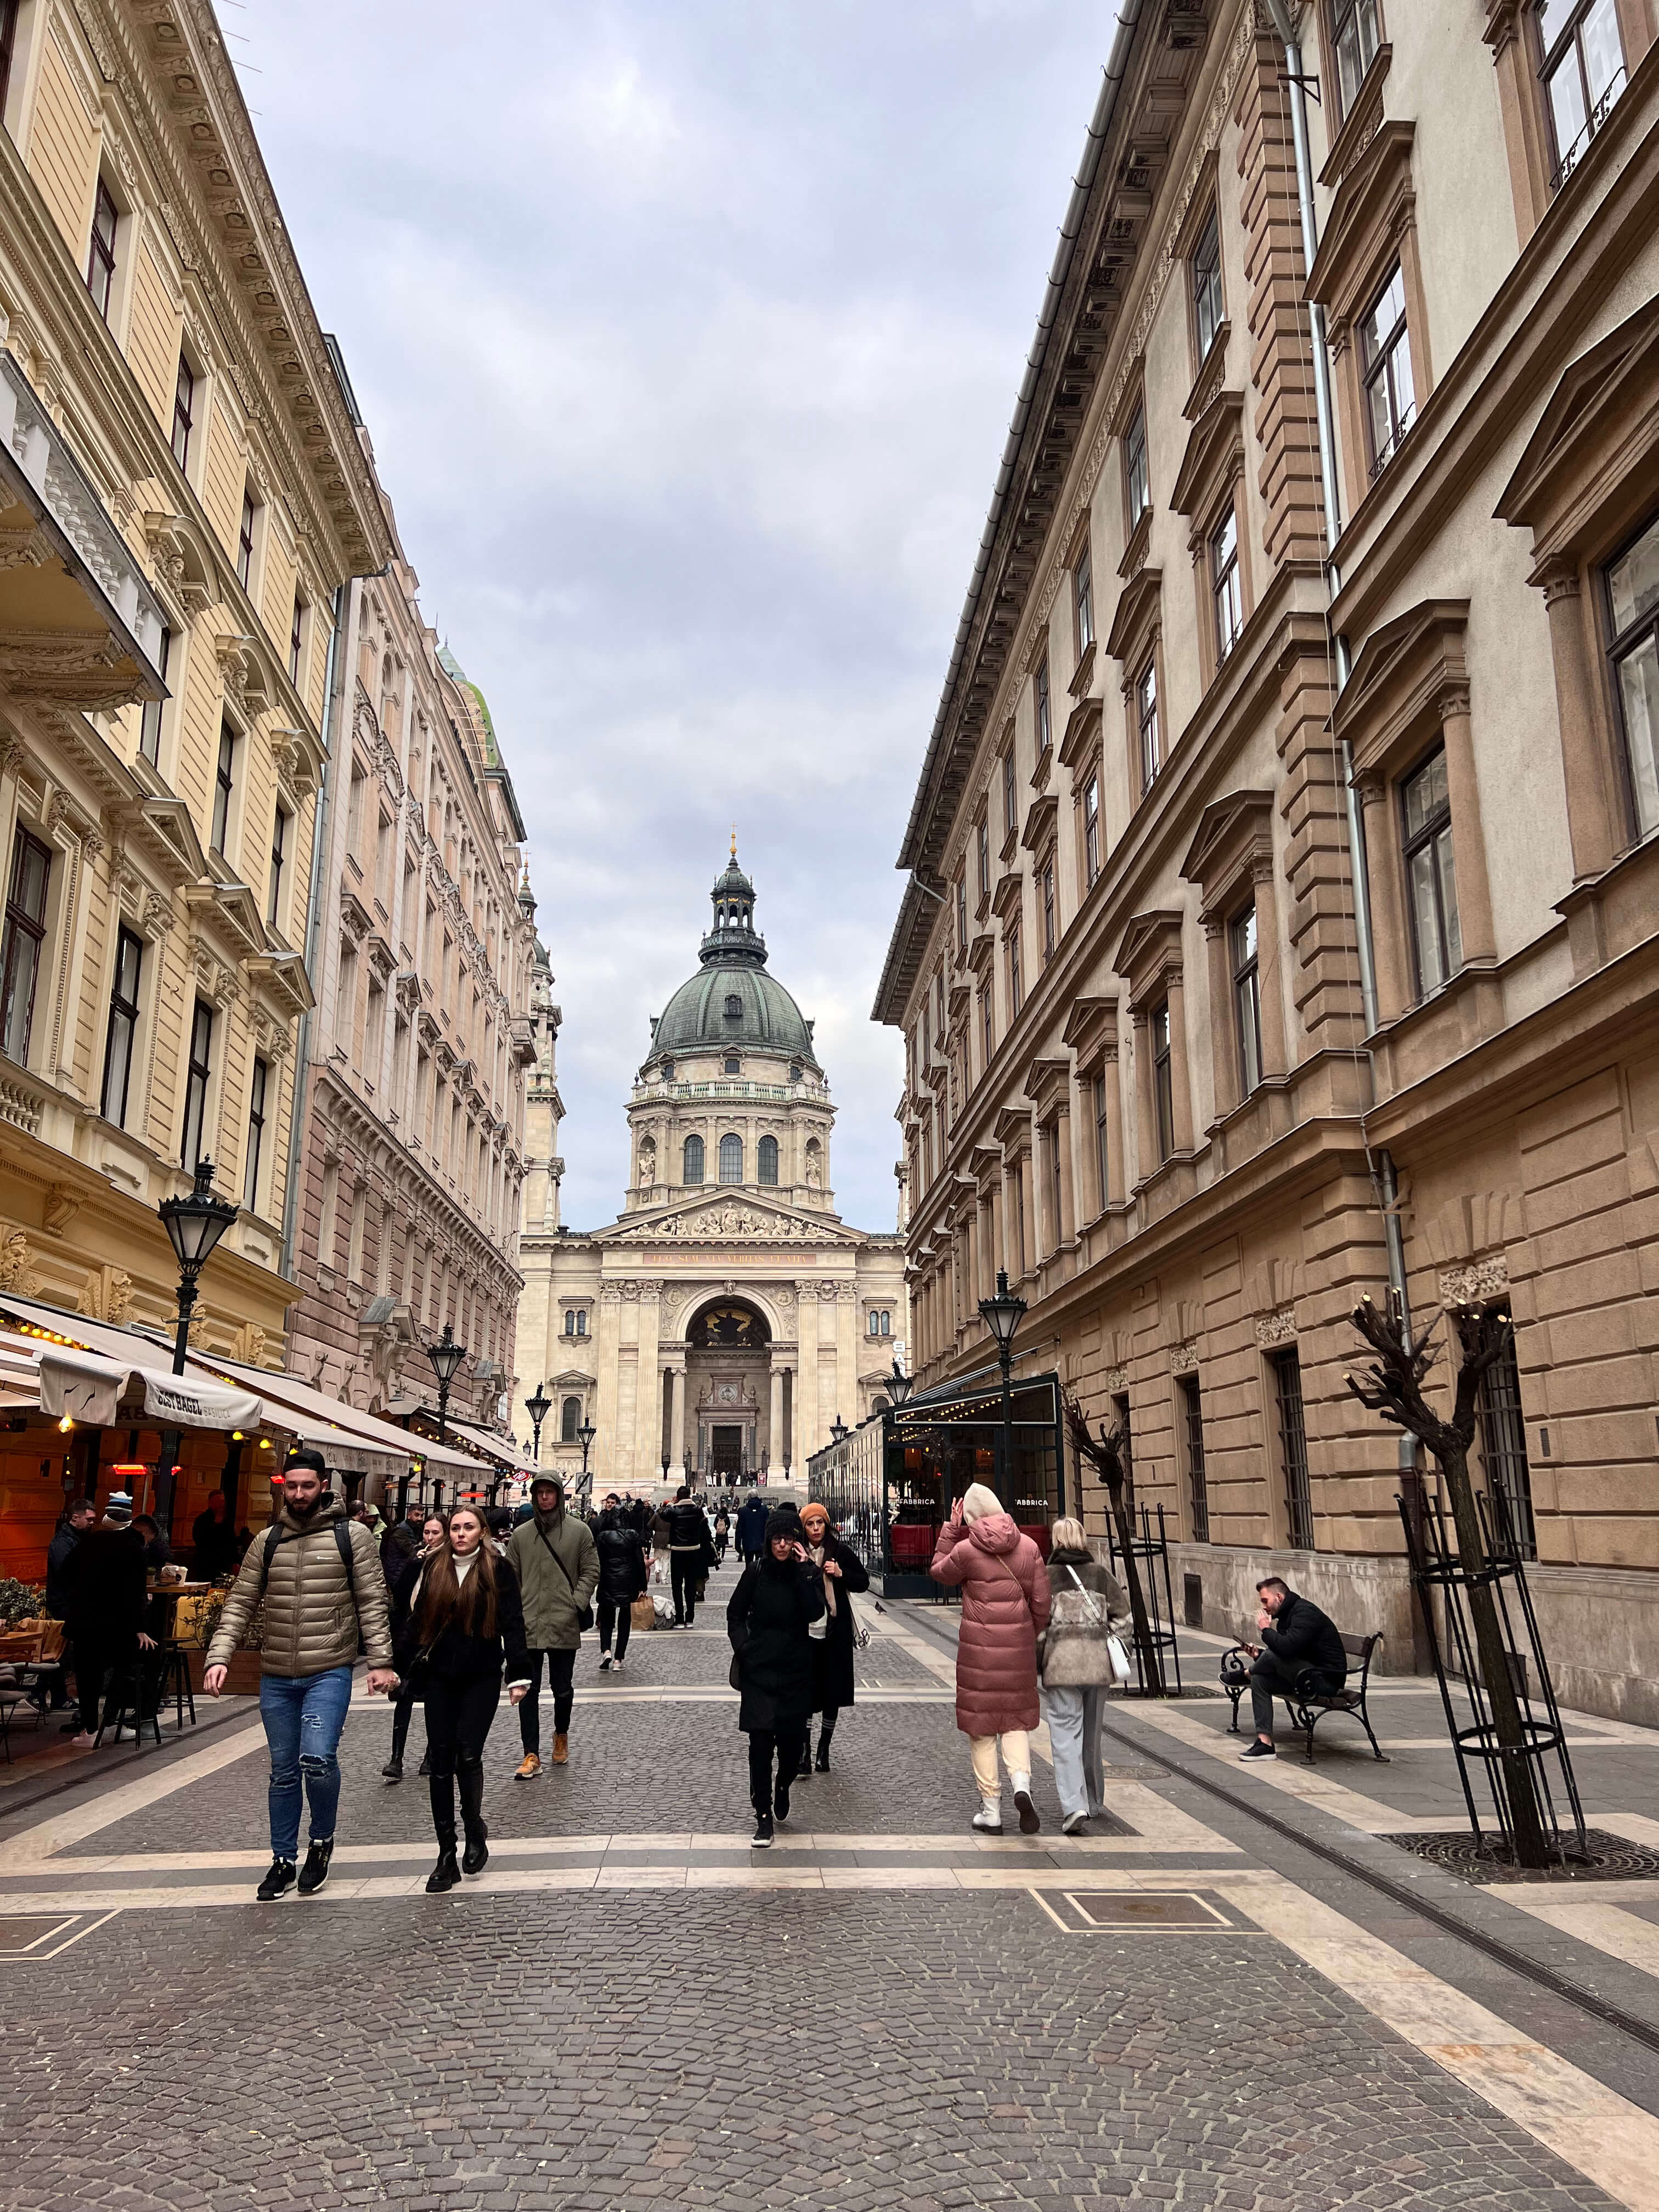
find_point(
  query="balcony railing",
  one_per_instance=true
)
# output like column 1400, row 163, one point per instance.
column 1572, row 154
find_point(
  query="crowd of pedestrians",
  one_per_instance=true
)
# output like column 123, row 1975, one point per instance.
column 449, row 1608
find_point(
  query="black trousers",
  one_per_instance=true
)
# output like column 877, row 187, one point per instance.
column 561, row 1670
column 615, row 1612
column 402, row 1706
column 685, row 1572
column 766, row 1747
column 101, row 1668
column 458, row 1715
column 1270, row 1679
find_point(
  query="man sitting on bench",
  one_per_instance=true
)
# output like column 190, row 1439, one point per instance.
column 1298, row 1636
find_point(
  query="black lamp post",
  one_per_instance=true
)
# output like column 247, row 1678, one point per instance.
column 838, row 1430
column 446, row 1356
column 194, row 1225
column 538, row 1409
column 585, row 1436
column 899, row 1384
column 1002, row 1316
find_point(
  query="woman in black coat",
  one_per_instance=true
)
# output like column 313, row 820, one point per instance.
column 778, row 1598
column 465, row 1622
column 402, row 1558
column 623, row 1578
column 843, row 1572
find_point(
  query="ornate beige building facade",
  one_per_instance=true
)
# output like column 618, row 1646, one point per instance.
column 182, row 496
column 407, row 1203
column 1282, row 918
column 724, row 1321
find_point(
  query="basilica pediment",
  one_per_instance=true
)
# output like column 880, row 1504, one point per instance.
column 730, row 1221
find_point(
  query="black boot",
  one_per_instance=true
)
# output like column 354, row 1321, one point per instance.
column 476, row 1857
column 806, row 1766
column 824, row 1735
column 446, row 1875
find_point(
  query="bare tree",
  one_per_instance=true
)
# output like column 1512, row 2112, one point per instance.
column 1393, row 1387
column 1108, row 1455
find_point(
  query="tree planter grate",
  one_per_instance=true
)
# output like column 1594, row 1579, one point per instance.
column 1607, row 1858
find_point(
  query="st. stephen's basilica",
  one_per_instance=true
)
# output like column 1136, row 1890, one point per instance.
column 727, row 1317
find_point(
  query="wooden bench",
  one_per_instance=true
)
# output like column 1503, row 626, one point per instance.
column 1307, row 1707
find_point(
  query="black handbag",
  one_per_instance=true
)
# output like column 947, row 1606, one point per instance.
column 585, row 1616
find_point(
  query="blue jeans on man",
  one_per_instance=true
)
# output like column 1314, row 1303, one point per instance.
column 303, row 1715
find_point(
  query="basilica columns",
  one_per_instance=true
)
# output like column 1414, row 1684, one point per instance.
column 677, row 1425
column 774, row 1433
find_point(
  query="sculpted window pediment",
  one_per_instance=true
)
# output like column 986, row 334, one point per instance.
column 1234, row 843
column 1585, row 477
column 1048, row 1086
column 1213, row 458
column 1374, row 202
column 984, row 1163
column 1150, row 955
column 1136, row 617
column 1394, row 699
column 1362, row 122
column 1082, row 732
column 981, row 952
column 1092, row 1031
column 1083, row 675
column 1040, row 821
column 1005, row 899
column 1012, row 1130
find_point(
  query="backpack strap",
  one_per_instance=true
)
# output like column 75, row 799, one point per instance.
column 342, row 1544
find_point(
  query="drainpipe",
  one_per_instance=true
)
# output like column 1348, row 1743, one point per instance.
column 333, row 688
column 1286, row 14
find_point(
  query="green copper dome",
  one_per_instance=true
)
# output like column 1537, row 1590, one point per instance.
column 731, row 1003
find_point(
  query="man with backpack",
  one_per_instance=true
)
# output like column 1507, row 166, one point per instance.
column 557, row 1564
column 318, row 1575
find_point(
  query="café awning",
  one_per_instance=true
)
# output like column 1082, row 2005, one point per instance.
column 90, row 1389
column 501, row 1451
column 358, row 1442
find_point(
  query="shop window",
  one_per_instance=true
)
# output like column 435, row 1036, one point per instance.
column 122, row 1034
column 691, row 1170
column 24, row 938
column 1632, row 589
column 1293, row 1449
column 1581, row 67
column 1385, row 361
column 1430, row 878
column 1198, row 1487
column 1247, row 998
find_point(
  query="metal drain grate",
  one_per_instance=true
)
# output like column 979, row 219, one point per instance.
column 1612, row 1859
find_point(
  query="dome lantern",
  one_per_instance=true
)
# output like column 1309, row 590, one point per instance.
column 733, row 1002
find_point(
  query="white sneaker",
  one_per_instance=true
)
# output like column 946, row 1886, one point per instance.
column 82, row 1743
column 1072, row 1822
column 988, row 1818
column 618, row 1664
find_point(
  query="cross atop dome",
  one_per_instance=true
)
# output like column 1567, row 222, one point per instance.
column 733, row 935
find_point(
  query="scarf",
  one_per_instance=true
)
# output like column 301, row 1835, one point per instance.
column 815, row 1553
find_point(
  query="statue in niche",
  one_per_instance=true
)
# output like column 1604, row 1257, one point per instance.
column 648, row 1166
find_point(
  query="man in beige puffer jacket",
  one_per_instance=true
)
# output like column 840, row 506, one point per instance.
column 319, row 1578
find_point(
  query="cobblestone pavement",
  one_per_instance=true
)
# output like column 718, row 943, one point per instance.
column 884, row 2011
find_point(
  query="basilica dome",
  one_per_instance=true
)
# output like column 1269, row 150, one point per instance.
column 731, row 1003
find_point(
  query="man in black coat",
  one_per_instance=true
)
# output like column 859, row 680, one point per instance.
column 688, row 1540
column 623, row 1578
column 1297, row 1637
column 104, row 1590
column 213, row 1540
column 751, row 1529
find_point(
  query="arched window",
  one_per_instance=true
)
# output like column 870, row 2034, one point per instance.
column 730, row 1159
column 693, row 1160
column 768, row 1159
column 733, row 1008
column 887, row 1324
column 570, row 1415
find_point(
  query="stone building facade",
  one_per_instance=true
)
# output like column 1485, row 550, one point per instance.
column 1173, row 1059
column 182, row 496
column 425, row 959
column 728, row 1317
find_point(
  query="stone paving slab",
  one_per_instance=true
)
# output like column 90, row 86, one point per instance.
column 745, row 2050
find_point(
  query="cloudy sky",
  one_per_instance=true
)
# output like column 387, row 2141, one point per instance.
column 688, row 336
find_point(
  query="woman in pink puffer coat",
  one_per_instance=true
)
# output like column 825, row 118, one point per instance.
column 1004, row 1608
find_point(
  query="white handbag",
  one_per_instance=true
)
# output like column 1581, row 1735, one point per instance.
column 1117, row 1657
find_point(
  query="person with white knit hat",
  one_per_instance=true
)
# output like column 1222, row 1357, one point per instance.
column 1004, row 1608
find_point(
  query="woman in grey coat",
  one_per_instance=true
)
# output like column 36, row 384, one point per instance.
column 1089, row 1606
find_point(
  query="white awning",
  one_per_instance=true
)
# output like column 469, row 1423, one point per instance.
column 89, row 1388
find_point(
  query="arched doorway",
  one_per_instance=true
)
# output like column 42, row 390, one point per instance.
column 728, row 1368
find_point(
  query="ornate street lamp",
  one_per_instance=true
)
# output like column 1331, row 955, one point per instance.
column 1002, row 1316
column 446, row 1356
column 194, row 1225
column 838, row 1430
column 538, row 1409
column 585, row 1436
column 899, row 1384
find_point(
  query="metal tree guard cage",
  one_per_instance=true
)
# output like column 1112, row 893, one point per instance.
column 1152, row 1552
column 1435, row 1565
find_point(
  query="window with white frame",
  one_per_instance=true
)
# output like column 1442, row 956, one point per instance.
column 1136, row 483
column 1355, row 35
column 1247, row 997
column 1385, row 363
column 1430, row 876
column 1632, row 596
column 1209, row 307
column 1163, row 1080
column 245, row 536
column 982, row 843
column 1043, row 717
column 1146, row 724
column 150, row 722
column 1091, row 827
column 1224, row 584
column 1083, row 600
column 1580, row 66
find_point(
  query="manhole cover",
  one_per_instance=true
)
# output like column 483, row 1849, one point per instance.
column 1611, row 1858
column 1127, row 1908
column 26, row 1929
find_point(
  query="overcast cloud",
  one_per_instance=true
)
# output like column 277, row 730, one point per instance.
column 687, row 336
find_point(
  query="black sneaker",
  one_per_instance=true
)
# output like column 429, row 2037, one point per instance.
column 780, row 1799
column 762, row 1838
column 1031, row 1822
column 393, row 1769
column 1257, row 1749
column 315, row 1873
column 280, row 1878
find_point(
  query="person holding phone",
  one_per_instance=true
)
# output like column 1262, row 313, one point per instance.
column 1004, row 1608
column 768, row 1619
column 403, row 1572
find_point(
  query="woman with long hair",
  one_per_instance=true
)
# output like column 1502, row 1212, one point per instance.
column 833, row 1637
column 465, row 1623
column 403, row 1572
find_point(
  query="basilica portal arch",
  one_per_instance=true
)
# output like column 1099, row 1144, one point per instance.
column 728, row 1389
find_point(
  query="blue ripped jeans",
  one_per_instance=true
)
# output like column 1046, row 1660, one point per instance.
column 303, row 1715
